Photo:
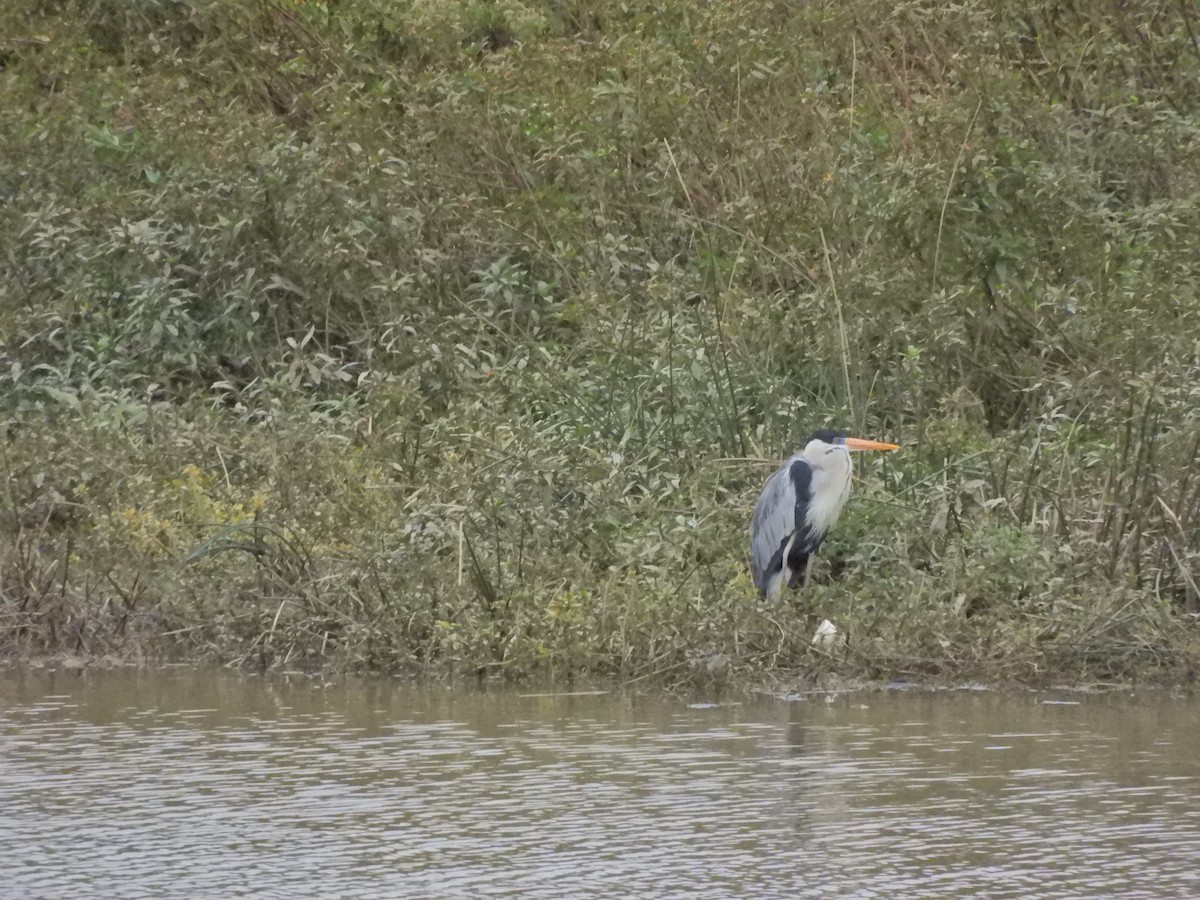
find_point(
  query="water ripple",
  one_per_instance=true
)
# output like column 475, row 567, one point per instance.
column 193, row 784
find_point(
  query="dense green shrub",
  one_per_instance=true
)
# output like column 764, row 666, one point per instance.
column 460, row 335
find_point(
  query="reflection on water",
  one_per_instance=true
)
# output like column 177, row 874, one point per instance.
column 192, row 784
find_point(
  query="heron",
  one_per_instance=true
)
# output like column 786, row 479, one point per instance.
column 797, row 507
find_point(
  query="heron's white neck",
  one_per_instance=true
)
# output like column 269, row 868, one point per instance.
column 831, row 472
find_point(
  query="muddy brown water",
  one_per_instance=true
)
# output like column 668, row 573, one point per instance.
column 202, row 784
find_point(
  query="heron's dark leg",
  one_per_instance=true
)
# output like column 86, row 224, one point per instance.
column 799, row 563
column 807, row 570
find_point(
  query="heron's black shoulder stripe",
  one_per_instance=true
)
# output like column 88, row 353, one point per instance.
column 807, row 540
column 801, row 474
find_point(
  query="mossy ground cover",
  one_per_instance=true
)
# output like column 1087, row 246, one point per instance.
column 447, row 337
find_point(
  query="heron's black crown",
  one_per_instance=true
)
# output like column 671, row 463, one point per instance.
column 828, row 435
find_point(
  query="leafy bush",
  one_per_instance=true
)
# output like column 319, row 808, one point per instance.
column 459, row 336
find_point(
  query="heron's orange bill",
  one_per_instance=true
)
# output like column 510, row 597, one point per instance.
column 862, row 444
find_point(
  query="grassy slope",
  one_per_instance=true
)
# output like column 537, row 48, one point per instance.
column 459, row 336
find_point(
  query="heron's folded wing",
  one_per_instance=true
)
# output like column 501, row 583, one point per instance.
column 775, row 513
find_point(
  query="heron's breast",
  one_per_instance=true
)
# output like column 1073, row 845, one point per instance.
column 829, row 493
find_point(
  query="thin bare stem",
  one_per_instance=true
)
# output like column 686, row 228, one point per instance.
column 962, row 149
column 837, row 302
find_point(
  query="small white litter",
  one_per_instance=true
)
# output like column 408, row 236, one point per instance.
column 827, row 636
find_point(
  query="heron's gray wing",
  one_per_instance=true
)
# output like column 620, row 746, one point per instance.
column 774, row 516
